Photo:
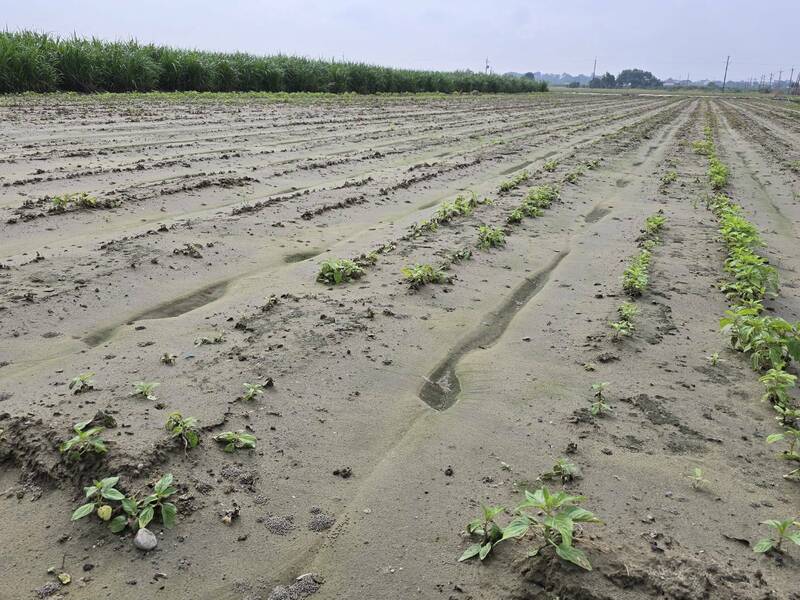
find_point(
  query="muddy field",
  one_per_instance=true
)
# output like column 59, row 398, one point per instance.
column 388, row 415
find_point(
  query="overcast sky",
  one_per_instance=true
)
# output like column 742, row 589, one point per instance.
column 669, row 37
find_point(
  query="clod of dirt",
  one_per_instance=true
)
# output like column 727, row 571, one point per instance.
column 321, row 522
column 279, row 525
column 304, row 586
column 344, row 472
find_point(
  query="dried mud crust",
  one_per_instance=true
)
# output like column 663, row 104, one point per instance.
column 354, row 477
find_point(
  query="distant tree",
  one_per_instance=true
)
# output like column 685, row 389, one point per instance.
column 606, row 81
column 529, row 75
column 574, row 84
column 638, row 78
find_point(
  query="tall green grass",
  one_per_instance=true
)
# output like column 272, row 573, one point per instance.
column 38, row 62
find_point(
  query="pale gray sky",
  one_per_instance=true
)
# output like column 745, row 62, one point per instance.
column 668, row 37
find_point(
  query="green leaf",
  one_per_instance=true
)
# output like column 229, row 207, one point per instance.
column 475, row 526
column 580, row 515
column 794, row 537
column 146, row 516
column 168, row 512
column 129, row 506
column 471, row 551
column 775, row 437
column 192, row 439
column 109, row 482
column 563, row 524
column 117, row 524
column 573, row 555
column 82, row 511
column 163, row 483
column 517, row 528
column 230, row 447
column 112, row 494
column 763, row 545
column 485, row 549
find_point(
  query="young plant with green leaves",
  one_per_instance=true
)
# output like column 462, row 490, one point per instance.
column 788, row 529
column 183, row 429
column 636, row 277
column 98, row 492
column 419, row 275
column 513, row 183
column 145, row 389
column 82, row 383
column 790, row 435
column 777, row 384
column 84, row 441
column 490, row 237
column 696, row 477
column 550, row 165
column 235, row 440
column 669, row 177
column 599, row 405
column 551, row 517
column 338, row 271
column 563, row 470
column 487, row 529
column 252, row 391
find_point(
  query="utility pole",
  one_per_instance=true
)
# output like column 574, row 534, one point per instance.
column 790, row 81
column 780, row 74
column 725, row 78
column 487, row 65
column 770, row 82
column 594, row 68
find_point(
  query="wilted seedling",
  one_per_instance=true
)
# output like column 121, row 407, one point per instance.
column 168, row 359
column 563, row 470
column 599, row 405
column 252, row 390
column 183, row 429
column 788, row 529
column 490, row 237
column 489, row 531
column 697, row 478
column 550, row 165
column 343, row 270
column 145, row 389
column 592, row 164
column 419, row 275
column 84, row 440
column 82, row 383
column 235, row 440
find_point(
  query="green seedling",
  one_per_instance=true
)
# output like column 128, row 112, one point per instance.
column 100, row 490
column 714, row 359
column 572, row 176
column 507, row 186
column 794, row 166
column 84, row 440
column 515, row 216
column 459, row 255
column 788, row 416
column 788, row 529
column 82, row 383
column 599, row 405
column 622, row 329
column 217, row 338
column 252, row 390
column 490, row 237
column 335, row 272
column 419, row 275
column 703, row 147
column 552, row 519
column 717, row 173
column 541, row 196
column 592, row 164
column 653, row 225
column 158, row 501
column 235, row 440
column 669, row 177
column 145, row 389
column 563, row 471
column 791, row 436
column 168, row 359
column 777, row 384
column 184, row 429
column 627, row 311
column 488, row 530
column 550, row 165
column 696, row 478
column 60, row 203
column 635, row 278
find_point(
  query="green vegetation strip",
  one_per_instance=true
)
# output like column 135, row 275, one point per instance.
column 39, row 62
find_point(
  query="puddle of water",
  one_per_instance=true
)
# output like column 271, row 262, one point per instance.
column 442, row 387
column 597, row 213
column 166, row 310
